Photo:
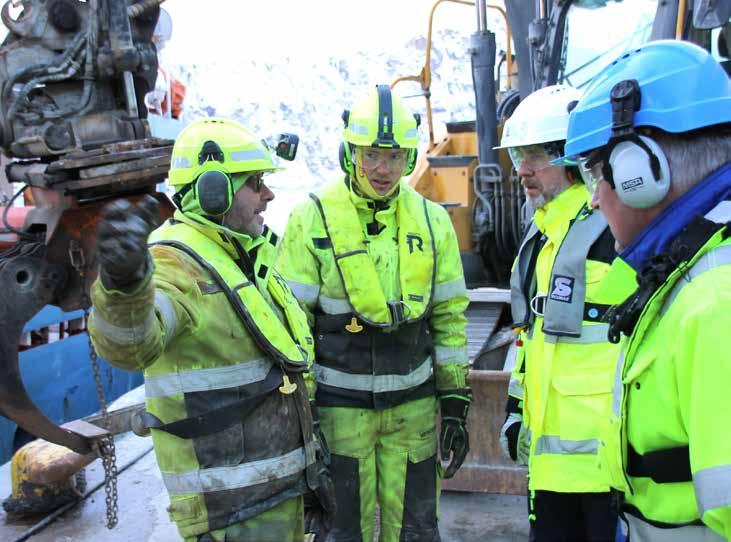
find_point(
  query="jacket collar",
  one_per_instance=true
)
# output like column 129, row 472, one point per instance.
column 223, row 237
column 698, row 201
column 554, row 218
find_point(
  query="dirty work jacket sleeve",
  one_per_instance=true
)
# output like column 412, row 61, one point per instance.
column 130, row 331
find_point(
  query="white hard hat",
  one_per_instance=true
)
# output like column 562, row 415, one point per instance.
column 541, row 117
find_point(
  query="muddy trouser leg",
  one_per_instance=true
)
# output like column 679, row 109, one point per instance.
column 351, row 436
column 283, row 523
column 406, row 464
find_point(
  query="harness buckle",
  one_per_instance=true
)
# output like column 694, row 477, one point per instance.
column 538, row 304
column 398, row 315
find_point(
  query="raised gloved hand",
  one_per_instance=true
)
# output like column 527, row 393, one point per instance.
column 320, row 505
column 515, row 439
column 453, row 436
column 122, row 234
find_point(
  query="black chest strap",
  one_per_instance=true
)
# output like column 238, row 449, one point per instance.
column 218, row 419
column 662, row 466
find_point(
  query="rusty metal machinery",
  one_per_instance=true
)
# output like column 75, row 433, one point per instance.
column 73, row 75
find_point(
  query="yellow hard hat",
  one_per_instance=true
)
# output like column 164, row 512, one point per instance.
column 217, row 143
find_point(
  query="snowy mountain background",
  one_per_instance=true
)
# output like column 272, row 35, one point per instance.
column 294, row 66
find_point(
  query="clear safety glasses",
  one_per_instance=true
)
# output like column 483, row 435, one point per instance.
column 372, row 158
column 534, row 157
column 590, row 167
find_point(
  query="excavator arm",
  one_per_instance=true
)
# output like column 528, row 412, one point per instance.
column 73, row 76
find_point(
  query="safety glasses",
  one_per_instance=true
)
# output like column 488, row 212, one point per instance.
column 534, row 157
column 372, row 158
column 256, row 180
column 590, row 167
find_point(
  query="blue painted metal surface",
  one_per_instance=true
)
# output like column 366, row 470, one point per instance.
column 59, row 378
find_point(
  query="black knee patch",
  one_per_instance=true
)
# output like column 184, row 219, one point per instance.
column 419, row 523
column 346, row 480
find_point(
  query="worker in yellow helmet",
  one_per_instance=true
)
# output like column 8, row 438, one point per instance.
column 378, row 270
column 221, row 339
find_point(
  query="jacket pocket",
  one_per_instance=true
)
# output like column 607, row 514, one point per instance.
column 582, row 403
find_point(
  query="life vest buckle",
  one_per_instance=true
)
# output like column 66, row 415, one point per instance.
column 287, row 387
column 354, row 326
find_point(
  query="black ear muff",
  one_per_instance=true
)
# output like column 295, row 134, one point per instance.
column 345, row 158
column 214, row 192
column 639, row 172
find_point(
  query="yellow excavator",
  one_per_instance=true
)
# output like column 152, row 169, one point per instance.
column 547, row 42
column 73, row 75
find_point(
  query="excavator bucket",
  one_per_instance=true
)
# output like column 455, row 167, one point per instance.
column 29, row 283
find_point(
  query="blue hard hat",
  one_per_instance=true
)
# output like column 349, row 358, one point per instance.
column 682, row 88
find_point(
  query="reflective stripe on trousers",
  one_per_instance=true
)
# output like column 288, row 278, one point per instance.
column 244, row 475
column 374, row 383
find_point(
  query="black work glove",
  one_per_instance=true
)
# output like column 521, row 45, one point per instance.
column 320, row 504
column 124, row 260
column 453, row 436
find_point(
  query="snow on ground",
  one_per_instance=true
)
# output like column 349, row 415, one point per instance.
column 294, row 66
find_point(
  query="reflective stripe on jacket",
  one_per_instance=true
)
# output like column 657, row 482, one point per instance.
column 561, row 289
column 366, row 266
column 204, row 344
column 671, row 393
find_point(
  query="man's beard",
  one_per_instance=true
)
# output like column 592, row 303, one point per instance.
column 545, row 197
column 538, row 202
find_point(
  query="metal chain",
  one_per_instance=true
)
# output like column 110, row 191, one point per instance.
column 107, row 449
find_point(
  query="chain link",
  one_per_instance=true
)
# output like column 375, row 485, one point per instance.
column 106, row 447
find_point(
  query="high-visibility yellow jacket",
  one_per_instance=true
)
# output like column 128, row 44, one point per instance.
column 213, row 327
column 385, row 292
column 562, row 286
column 666, row 442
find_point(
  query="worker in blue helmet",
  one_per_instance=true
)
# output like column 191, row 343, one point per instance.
column 653, row 133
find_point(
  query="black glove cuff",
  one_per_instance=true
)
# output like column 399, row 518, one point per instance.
column 454, row 404
column 130, row 282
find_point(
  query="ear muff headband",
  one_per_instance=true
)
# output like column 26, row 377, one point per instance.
column 633, row 164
